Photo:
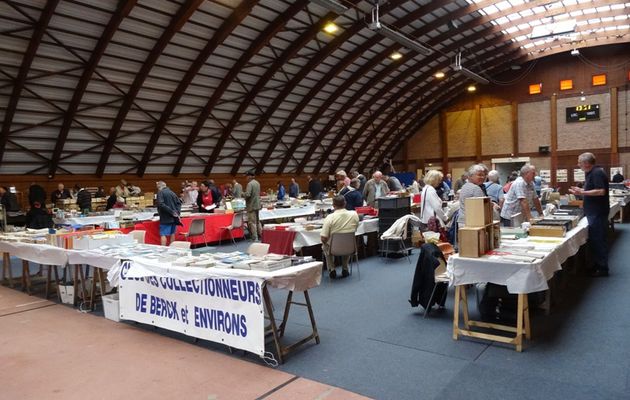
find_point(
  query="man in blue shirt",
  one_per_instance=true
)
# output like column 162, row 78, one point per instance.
column 294, row 189
column 354, row 198
column 596, row 208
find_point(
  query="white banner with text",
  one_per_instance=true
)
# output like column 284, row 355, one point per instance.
column 221, row 309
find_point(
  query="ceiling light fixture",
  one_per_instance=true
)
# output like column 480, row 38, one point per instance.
column 396, row 35
column 331, row 27
column 472, row 88
column 395, row 56
column 468, row 73
column 332, row 5
column 439, row 75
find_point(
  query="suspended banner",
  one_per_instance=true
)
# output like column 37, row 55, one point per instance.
column 221, row 309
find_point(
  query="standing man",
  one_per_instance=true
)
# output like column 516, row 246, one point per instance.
column 340, row 221
column 315, row 188
column 375, row 188
column 294, row 189
column 596, row 208
column 84, row 199
column 457, row 186
column 521, row 197
column 237, row 189
column 169, row 206
column 111, row 200
column 252, row 205
column 362, row 179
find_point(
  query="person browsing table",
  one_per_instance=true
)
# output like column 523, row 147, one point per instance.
column 596, row 208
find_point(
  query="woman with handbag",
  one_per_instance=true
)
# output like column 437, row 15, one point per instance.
column 431, row 214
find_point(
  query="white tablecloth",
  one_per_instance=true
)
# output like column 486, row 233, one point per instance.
column 298, row 278
column 306, row 238
column 38, row 253
column 266, row 214
column 103, row 219
column 519, row 277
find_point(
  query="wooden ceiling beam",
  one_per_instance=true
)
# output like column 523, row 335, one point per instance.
column 123, row 10
column 286, row 55
column 20, row 80
column 272, row 29
column 178, row 20
column 237, row 16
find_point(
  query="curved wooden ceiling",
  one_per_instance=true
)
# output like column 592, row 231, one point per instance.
column 194, row 86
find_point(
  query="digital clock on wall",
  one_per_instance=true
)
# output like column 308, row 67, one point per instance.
column 583, row 112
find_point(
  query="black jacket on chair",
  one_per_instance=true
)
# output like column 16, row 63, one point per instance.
column 424, row 277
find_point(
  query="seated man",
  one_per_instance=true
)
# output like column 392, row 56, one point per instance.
column 340, row 221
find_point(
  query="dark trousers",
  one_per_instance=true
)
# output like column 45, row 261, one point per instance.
column 597, row 231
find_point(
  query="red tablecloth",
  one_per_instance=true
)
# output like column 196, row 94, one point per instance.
column 213, row 232
column 280, row 242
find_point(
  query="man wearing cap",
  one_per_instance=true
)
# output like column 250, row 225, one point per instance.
column 169, row 206
column 252, row 205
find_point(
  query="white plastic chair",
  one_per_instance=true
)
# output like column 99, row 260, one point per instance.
column 138, row 235
column 237, row 223
column 197, row 228
column 345, row 244
column 258, row 249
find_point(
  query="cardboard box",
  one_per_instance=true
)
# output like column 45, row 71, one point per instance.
column 478, row 211
column 472, row 241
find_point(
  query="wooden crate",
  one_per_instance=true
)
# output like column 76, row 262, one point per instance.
column 478, row 211
column 472, row 241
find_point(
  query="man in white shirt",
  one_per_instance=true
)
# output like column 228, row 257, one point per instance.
column 340, row 221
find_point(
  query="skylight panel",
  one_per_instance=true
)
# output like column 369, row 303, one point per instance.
column 502, row 20
column 491, row 9
column 504, row 5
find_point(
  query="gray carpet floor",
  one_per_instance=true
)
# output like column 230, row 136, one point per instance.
column 374, row 343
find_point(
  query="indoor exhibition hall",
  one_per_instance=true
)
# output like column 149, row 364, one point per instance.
column 314, row 199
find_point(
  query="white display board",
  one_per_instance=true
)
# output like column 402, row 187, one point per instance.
column 545, row 174
column 222, row 309
column 562, row 175
column 578, row 175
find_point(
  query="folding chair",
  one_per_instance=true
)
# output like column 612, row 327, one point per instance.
column 441, row 278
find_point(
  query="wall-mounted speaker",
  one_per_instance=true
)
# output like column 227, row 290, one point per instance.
column 543, row 149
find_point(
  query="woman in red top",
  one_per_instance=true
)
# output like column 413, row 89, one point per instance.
column 204, row 199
